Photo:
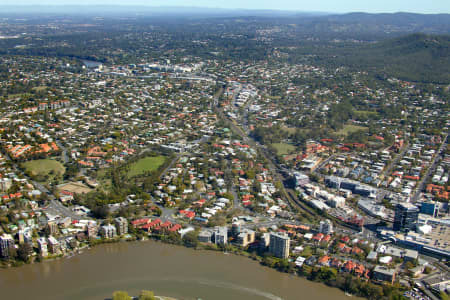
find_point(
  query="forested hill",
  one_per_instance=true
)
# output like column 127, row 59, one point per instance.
column 386, row 23
column 415, row 57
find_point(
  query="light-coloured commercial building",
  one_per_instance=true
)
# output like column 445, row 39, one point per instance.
column 382, row 273
column 326, row 227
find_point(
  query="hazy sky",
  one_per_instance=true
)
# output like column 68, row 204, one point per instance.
column 420, row 6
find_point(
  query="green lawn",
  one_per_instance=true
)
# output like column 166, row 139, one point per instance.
column 40, row 88
column 290, row 130
column 104, row 179
column 351, row 128
column 283, row 149
column 44, row 167
column 12, row 96
column 293, row 130
column 366, row 113
column 145, row 165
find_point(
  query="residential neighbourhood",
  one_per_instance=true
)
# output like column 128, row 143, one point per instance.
column 321, row 172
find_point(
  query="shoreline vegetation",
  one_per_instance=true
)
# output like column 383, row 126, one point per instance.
column 144, row 295
column 346, row 282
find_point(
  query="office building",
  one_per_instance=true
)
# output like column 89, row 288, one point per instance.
column 406, row 216
column 382, row 273
column 430, row 208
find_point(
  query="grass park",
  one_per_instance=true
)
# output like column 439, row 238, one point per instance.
column 146, row 164
column 283, row 148
column 42, row 168
column 347, row 129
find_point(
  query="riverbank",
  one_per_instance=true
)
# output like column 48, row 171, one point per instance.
column 173, row 271
column 323, row 275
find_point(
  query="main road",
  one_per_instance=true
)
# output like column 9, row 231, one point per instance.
column 431, row 169
column 292, row 201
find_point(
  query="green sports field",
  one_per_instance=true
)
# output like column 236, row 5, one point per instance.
column 146, row 164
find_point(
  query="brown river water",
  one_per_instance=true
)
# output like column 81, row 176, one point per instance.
column 166, row 269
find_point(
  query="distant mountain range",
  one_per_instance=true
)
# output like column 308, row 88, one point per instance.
column 152, row 11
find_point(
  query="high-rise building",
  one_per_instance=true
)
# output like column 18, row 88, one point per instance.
column 264, row 241
column 279, row 245
column 121, row 225
column 430, row 208
column 246, row 237
column 220, row 235
column 42, row 243
column 28, row 237
column 53, row 245
column 406, row 216
column 52, row 228
column 326, row 227
column 6, row 243
column 91, row 231
column 21, row 236
column 236, row 229
column 108, row 231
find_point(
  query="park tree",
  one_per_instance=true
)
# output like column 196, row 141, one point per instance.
column 24, row 252
column 121, row 295
column 190, row 239
column 146, row 295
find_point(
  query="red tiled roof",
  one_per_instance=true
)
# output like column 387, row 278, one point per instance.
column 318, row 237
column 349, row 266
column 140, row 222
column 324, row 260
